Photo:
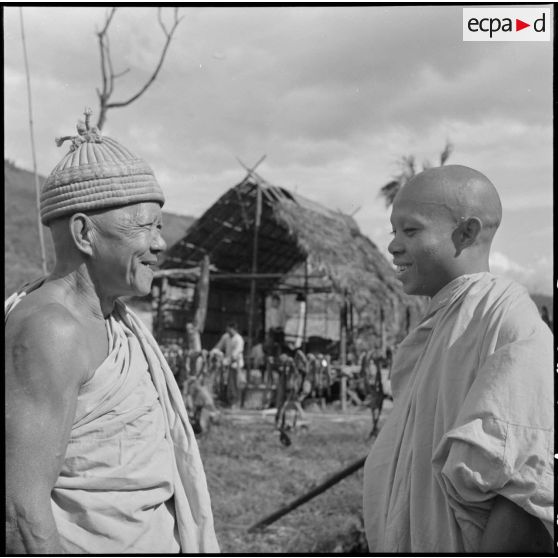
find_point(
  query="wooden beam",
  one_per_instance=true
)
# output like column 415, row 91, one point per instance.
column 330, row 481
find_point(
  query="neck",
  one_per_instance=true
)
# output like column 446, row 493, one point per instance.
column 474, row 263
column 84, row 291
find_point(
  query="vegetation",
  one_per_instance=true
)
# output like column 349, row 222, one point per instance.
column 108, row 74
column 407, row 169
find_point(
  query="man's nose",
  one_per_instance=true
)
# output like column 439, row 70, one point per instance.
column 158, row 244
column 395, row 247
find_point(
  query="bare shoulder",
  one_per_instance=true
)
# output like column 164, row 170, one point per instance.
column 43, row 338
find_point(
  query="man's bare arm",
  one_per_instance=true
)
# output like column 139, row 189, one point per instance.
column 510, row 529
column 43, row 375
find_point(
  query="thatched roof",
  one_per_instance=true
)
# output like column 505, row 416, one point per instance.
column 293, row 229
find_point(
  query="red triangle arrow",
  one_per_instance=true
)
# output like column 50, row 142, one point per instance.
column 519, row 25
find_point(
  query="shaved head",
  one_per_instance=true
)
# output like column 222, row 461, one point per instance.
column 444, row 220
column 462, row 191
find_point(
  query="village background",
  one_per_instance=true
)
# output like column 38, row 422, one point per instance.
column 334, row 97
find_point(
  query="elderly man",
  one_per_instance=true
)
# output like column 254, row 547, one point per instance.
column 464, row 461
column 100, row 456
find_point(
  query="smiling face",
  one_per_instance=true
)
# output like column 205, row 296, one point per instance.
column 422, row 246
column 127, row 244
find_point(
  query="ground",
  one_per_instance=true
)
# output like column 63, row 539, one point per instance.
column 251, row 475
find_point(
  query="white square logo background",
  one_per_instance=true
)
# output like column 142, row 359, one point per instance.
column 492, row 24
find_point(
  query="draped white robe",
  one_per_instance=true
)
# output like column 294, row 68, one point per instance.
column 472, row 419
column 132, row 479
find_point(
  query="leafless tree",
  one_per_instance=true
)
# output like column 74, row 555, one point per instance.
column 108, row 74
column 408, row 169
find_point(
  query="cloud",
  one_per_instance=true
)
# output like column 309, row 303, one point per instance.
column 332, row 95
column 537, row 277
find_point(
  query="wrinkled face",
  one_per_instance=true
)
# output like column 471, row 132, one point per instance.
column 128, row 241
column 422, row 247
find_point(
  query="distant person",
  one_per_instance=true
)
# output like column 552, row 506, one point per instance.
column 546, row 317
column 100, row 455
column 257, row 353
column 276, row 320
column 231, row 345
column 463, row 463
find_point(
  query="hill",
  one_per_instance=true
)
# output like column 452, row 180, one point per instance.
column 21, row 236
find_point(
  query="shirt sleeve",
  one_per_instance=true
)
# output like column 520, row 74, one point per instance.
column 502, row 443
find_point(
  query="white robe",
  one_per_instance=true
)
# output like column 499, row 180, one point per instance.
column 132, row 480
column 472, row 419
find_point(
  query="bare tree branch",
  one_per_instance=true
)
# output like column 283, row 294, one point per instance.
column 121, row 73
column 108, row 75
column 161, row 23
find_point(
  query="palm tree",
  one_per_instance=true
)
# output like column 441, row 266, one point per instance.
column 408, row 169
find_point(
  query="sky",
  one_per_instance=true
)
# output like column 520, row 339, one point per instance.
column 332, row 96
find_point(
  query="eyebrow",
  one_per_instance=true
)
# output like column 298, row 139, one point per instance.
column 413, row 218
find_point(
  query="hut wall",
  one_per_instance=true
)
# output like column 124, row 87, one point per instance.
column 176, row 310
column 229, row 303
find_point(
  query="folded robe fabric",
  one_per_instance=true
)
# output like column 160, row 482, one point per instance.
column 472, row 419
column 132, row 479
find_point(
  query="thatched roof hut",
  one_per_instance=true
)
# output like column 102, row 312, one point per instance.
column 302, row 247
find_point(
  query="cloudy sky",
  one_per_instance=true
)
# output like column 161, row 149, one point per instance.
column 333, row 96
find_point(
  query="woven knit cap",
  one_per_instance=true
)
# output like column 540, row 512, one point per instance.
column 97, row 173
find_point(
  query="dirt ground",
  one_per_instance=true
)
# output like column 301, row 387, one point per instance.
column 251, row 475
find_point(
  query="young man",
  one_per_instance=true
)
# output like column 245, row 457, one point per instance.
column 464, row 461
column 100, row 456
column 231, row 344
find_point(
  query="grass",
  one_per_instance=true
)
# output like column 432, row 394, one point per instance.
column 251, row 475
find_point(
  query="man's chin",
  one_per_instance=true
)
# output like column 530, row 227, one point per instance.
column 409, row 288
column 142, row 289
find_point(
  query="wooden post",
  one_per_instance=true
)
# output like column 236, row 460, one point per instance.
column 343, row 354
column 32, row 135
column 257, row 221
column 305, row 326
column 202, row 295
column 330, row 481
column 383, row 333
column 162, row 288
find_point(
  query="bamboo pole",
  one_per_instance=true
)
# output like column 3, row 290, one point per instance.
column 330, row 481
column 343, row 353
column 254, row 266
column 305, row 326
column 383, row 333
column 31, row 133
column 202, row 295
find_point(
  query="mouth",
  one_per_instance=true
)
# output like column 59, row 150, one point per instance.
column 149, row 265
column 401, row 269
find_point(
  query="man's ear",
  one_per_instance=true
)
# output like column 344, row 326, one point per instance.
column 466, row 234
column 81, row 229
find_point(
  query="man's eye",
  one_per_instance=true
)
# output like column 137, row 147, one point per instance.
column 409, row 231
